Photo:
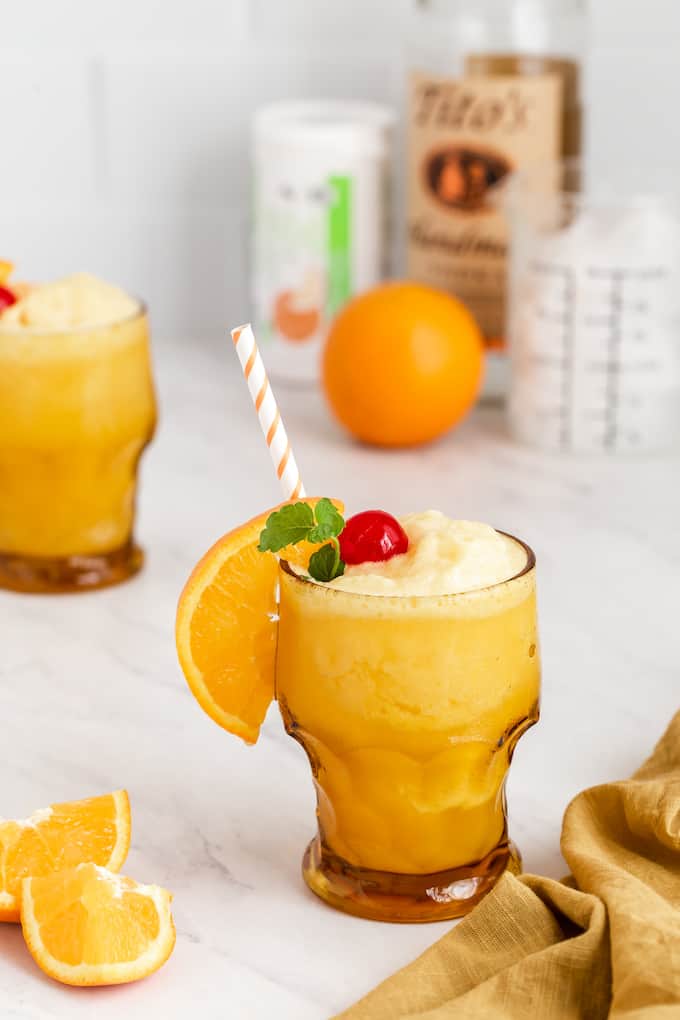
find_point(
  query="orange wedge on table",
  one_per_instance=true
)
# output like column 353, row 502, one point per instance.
column 58, row 837
column 90, row 926
column 226, row 626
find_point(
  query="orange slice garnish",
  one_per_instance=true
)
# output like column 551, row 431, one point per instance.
column 6, row 269
column 90, row 926
column 59, row 837
column 226, row 627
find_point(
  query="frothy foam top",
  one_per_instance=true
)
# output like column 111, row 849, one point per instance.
column 80, row 300
column 444, row 557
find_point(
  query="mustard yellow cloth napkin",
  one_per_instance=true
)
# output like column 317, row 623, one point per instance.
column 604, row 943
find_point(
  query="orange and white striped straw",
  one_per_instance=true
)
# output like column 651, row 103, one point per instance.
column 268, row 412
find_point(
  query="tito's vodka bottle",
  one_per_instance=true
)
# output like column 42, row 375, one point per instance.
column 494, row 85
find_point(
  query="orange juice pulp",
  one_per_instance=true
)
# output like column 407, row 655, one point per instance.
column 409, row 709
column 76, row 410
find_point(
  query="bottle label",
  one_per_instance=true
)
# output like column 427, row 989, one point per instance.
column 464, row 136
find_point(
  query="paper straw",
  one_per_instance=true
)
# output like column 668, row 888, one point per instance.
column 268, row 412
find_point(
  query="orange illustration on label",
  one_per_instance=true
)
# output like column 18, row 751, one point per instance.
column 297, row 313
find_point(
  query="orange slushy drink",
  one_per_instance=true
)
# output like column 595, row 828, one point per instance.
column 77, row 408
column 404, row 657
column 408, row 683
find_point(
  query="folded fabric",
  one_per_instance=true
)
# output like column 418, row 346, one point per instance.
column 603, row 943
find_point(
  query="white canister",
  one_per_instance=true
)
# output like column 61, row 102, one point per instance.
column 321, row 173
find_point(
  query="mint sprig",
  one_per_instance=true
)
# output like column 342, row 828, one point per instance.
column 299, row 522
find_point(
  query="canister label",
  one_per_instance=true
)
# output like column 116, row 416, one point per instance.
column 303, row 254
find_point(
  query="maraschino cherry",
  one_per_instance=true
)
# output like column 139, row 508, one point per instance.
column 372, row 537
column 7, row 298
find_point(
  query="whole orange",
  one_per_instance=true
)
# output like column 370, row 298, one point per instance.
column 402, row 364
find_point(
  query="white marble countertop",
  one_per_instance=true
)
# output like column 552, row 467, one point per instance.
column 92, row 698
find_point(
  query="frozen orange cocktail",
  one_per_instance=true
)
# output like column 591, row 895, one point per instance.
column 408, row 683
column 405, row 662
column 77, row 408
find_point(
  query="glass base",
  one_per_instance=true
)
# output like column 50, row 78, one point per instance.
column 383, row 896
column 46, row 575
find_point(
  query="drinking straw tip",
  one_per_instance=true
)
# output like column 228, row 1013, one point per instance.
column 236, row 332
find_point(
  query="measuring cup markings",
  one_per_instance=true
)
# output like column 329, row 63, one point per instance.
column 564, row 319
column 594, row 313
column 622, row 363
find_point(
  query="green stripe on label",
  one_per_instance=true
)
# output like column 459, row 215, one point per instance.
column 339, row 243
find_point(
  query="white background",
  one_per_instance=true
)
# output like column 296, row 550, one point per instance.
column 124, row 127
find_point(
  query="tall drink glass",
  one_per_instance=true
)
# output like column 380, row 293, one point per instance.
column 409, row 709
column 77, row 408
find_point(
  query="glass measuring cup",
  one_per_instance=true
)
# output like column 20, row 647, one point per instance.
column 594, row 312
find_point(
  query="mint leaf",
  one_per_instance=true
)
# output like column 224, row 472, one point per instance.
column 325, row 564
column 329, row 522
column 328, row 518
column 290, row 524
